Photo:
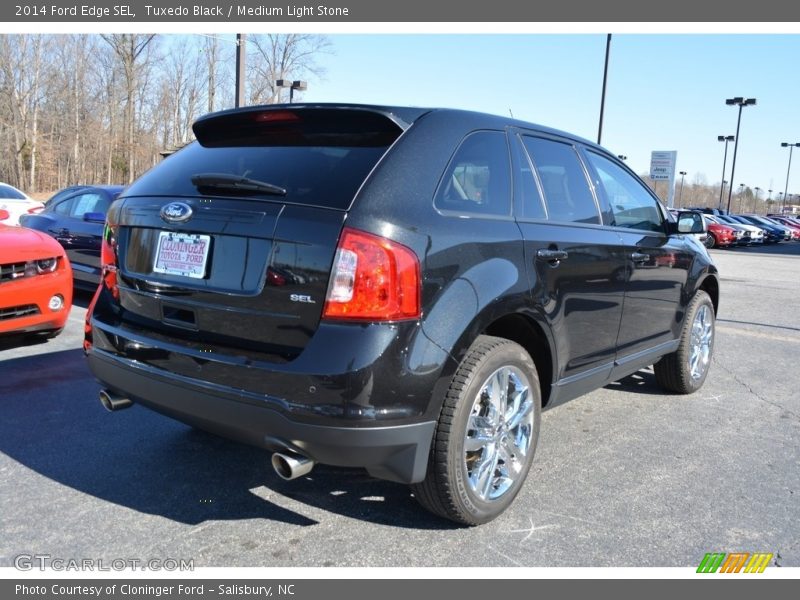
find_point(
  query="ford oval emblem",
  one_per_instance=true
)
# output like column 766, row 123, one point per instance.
column 176, row 212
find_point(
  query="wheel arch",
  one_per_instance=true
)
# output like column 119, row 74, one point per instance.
column 710, row 285
column 529, row 334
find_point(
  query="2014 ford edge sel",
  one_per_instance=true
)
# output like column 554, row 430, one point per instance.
column 399, row 289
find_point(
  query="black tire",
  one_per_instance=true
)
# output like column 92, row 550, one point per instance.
column 711, row 241
column 674, row 371
column 448, row 488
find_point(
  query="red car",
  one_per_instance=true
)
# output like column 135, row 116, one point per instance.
column 790, row 223
column 721, row 236
column 35, row 282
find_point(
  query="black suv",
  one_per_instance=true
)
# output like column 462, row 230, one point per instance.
column 399, row 289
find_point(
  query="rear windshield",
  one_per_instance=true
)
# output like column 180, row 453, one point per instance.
column 320, row 159
column 9, row 193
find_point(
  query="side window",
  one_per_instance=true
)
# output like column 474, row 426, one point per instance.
column 631, row 204
column 64, row 208
column 532, row 206
column 477, row 180
column 86, row 203
column 566, row 189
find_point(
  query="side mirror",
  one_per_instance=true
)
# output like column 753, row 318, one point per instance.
column 691, row 222
column 4, row 214
column 94, row 217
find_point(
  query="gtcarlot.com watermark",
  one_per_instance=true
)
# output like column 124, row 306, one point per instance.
column 44, row 562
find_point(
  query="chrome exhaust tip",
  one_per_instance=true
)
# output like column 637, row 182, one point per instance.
column 291, row 466
column 112, row 402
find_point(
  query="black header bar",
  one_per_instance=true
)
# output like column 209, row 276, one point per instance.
column 357, row 11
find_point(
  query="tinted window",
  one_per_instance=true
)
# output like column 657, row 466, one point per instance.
column 566, row 189
column 631, row 204
column 63, row 208
column 319, row 156
column 532, row 206
column 477, row 180
column 88, row 203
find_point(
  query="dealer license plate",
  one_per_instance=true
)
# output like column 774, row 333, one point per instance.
column 182, row 254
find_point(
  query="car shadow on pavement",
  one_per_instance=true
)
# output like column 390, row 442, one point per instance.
column 781, row 249
column 641, row 382
column 54, row 425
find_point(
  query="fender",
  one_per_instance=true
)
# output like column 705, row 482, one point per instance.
column 466, row 309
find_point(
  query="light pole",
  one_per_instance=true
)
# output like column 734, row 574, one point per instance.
column 292, row 85
column 603, row 96
column 726, row 139
column 680, row 194
column 785, row 189
column 741, row 103
column 741, row 191
column 240, row 69
column 755, row 201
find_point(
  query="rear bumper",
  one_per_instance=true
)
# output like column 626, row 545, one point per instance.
column 396, row 453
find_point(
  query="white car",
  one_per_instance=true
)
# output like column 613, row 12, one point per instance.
column 756, row 233
column 17, row 203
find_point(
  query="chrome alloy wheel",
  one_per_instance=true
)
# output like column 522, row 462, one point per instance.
column 499, row 433
column 701, row 342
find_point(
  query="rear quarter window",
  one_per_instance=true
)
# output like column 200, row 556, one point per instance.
column 477, row 181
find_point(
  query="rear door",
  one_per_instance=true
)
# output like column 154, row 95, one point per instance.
column 576, row 274
column 81, row 238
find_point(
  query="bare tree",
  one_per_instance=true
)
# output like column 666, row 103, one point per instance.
column 282, row 56
column 212, row 52
column 89, row 109
column 130, row 50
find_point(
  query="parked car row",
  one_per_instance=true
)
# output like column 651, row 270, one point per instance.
column 45, row 250
column 75, row 217
column 726, row 230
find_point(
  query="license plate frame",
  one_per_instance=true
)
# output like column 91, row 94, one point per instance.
column 188, row 257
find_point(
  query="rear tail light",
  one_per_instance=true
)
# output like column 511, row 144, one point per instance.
column 108, row 279
column 373, row 279
column 108, row 259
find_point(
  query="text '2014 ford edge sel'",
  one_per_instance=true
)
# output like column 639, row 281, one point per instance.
column 398, row 289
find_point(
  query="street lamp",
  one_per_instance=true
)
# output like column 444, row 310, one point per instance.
column 680, row 194
column 791, row 147
column 755, row 201
column 741, row 103
column 741, row 191
column 726, row 139
column 300, row 86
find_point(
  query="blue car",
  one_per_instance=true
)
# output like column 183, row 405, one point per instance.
column 75, row 217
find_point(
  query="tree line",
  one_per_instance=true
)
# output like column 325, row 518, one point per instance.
column 102, row 108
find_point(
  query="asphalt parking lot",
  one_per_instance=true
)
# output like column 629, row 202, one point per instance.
column 625, row 476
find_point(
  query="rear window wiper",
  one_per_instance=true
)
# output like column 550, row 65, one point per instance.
column 235, row 182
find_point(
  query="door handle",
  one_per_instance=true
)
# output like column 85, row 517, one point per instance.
column 552, row 255
column 639, row 257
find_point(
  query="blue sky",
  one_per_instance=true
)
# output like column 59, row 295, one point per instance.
column 665, row 92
